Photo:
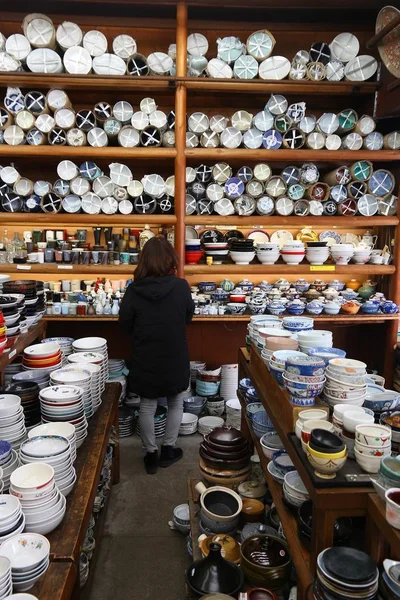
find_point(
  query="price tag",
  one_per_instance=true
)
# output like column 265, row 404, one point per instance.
column 24, row 267
column 322, row 267
column 12, row 354
column 64, row 267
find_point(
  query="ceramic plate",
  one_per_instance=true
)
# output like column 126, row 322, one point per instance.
column 307, row 235
column 351, row 238
column 281, row 237
column 389, row 46
column 331, row 237
column 259, row 236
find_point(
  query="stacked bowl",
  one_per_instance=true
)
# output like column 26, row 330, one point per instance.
column 345, row 382
column 229, row 381
column 97, row 345
column 8, row 464
column 361, row 255
column 64, row 403
column 194, row 405
column 3, row 332
column 326, row 453
column 294, row 490
column 5, row 577
column 293, row 252
column 314, row 339
column 225, row 455
column 242, row 252
column 92, row 362
column 215, row 406
column 126, row 421
column 39, row 376
column 28, row 554
column 277, row 342
column 193, row 251
column 265, row 561
column 65, row 344
column 317, row 255
column 12, row 420
column 195, row 367
column 12, row 519
column 277, row 364
column 208, row 382
column 304, row 378
column 160, row 421
column 344, row 573
column 299, row 323
column 188, row 424
column 28, row 392
column 56, row 451
column 46, row 357
column 342, row 253
column 372, row 442
column 217, row 250
column 206, row 424
column 65, row 430
column 271, row 443
column 268, row 253
column 234, row 412
column 76, row 376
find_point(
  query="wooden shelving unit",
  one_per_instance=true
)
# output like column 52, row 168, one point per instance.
column 63, row 270
column 291, row 156
column 24, row 340
column 383, row 540
column 282, row 269
column 83, row 220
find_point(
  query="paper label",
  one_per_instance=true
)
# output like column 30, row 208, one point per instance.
column 64, row 267
column 322, row 268
column 12, row 354
column 24, row 267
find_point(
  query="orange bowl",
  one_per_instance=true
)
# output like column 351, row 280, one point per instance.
column 42, row 363
column 49, row 357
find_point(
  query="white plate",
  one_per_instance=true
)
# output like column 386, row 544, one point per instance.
column 361, row 68
column 281, row 237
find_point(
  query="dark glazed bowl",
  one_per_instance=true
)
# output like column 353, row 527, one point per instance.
column 265, row 560
column 325, row 441
column 227, row 436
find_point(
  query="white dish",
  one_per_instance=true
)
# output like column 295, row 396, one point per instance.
column 32, row 477
column 26, row 550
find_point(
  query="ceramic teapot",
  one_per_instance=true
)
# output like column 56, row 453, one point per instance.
column 337, row 285
column 368, row 240
column 282, row 284
column 301, row 285
column 367, row 289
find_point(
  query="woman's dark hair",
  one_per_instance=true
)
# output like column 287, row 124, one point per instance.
column 157, row 259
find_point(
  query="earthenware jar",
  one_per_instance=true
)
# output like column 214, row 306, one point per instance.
column 353, row 284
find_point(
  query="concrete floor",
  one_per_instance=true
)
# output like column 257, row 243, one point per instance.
column 139, row 556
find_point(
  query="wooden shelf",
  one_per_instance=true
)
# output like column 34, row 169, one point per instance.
column 380, row 531
column 284, row 269
column 47, row 268
column 65, row 81
column 85, row 220
column 276, row 221
column 299, row 554
column 86, row 152
column 290, row 156
column 285, row 86
column 340, row 319
column 24, row 340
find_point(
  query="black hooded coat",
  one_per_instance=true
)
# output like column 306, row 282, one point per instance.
column 156, row 310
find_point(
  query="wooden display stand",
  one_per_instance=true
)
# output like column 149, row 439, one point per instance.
column 383, row 540
column 328, row 503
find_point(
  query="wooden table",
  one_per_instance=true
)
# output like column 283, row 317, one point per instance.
column 328, row 503
column 383, row 540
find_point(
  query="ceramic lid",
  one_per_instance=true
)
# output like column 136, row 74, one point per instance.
column 227, row 436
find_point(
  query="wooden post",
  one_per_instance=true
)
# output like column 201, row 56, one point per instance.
column 180, row 135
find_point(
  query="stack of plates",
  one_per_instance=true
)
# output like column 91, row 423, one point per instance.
column 97, row 345
column 346, row 572
column 76, row 376
column 92, row 362
column 12, row 520
column 28, row 391
column 8, row 466
column 5, row 577
column 65, row 344
column 40, row 376
column 64, row 403
column 46, row 357
column 233, row 412
column 195, row 367
column 132, row 400
column 66, row 430
column 29, row 557
column 160, row 421
column 12, row 420
column 116, row 367
column 12, row 369
column 126, row 421
column 56, row 451
column 294, row 490
column 229, row 381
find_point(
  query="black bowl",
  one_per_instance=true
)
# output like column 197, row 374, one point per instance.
column 316, row 244
column 328, row 441
column 322, row 449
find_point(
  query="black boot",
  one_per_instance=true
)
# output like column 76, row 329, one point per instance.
column 150, row 462
column 169, row 455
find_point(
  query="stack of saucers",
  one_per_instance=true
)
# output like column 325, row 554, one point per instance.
column 65, row 344
column 39, row 376
column 28, row 391
column 64, row 403
column 46, row 357
column 56, row 451
column 229, row 381
column 12, row 520
column 12, row 420
column 29, row 557
column 65, row 430
column 92, row 362
column 5, row 578
column 160, row 422
column 126, row 421
column 346, row 572
column 116, row 367
column 97, row 345
column 76, row 376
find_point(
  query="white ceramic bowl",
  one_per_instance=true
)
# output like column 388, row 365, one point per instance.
column 370, row 464
column 9, row 507
column 353, row 418
column 32, row 478
column 242, row 258
column 26, row 551
column 9, row 405
column 373, row 436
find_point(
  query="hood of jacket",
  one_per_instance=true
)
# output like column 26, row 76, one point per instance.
column 154, row 288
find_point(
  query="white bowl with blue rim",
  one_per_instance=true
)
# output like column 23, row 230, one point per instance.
column 326, row 353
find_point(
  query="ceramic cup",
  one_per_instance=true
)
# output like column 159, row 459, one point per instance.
column 392, row 496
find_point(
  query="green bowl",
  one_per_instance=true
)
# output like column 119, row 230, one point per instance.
column 391, row 467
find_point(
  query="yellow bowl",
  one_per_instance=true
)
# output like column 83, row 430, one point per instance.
column 326, row 455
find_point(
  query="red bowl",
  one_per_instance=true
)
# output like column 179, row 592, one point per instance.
column 192, row 258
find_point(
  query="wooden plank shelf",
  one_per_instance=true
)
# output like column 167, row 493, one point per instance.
column 300, row 555
column 383, row 540
column 276, row 221
column 290, row 156
column 84, row 220
column 24, row 340
column 64, row 270
column 286, row 86
column 284, row 269
column 86, row 153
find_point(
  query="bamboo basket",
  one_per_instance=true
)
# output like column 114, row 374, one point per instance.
column 95, row 43
column 68, row 34
column 44, row 60
column 109, row 64
column 124, row 46
column 39, row 30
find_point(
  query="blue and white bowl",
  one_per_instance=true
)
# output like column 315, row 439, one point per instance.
column 253, row 408
column 245, row 384
column 236, row 308
column 305, row 365
column 326, row 353
column 314, row 307
column 282, row 461
column 380, row 400
column 389, row 307
column 5, row 451
column 207, row 286
column 295, row 308
column 251, row 394
column 298, row 323
column 300, row 389
column 370, row 307
column 302, row 401
column 278, row 375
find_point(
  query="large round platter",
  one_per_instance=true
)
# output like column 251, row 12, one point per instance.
column 389, row 46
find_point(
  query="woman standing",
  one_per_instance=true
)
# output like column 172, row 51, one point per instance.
column 155, row 309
